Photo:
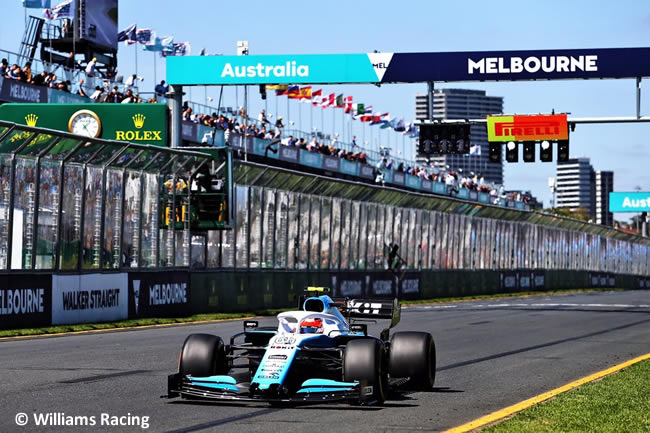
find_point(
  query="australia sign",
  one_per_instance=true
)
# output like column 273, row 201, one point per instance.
column 629, row 201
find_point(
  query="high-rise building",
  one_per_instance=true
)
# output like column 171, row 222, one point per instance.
column 576, row 185
column 465, row 104
column 604, row 185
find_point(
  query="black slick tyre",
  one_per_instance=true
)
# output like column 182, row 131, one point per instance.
column 413, row 355
column 203, row 355
column 364, row 361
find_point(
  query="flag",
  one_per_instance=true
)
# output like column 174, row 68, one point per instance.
column 305, row 92
column 153, row 45
column 281, row 92
column 326, row 102
column 37, row 4
column 387, row 122
column 293, row 92
column 127, row 35
column 167, row 43
column 145, row 36
column 348, row 104
column 63, row 10
column 400, row 127
column 339, row 101
column 475, row 149
column 377, row 118
column 332, row 100
column 361, row 109
column 176, row 49
column 316, row 97
column 277, row 87
column 366, row 116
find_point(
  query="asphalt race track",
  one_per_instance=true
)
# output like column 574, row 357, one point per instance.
column 491, row 354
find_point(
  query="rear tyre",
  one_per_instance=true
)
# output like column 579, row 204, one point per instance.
column 364, row 361
column 413, row 355
column 203, row 355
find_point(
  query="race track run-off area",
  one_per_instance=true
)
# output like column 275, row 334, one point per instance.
column 491, row 354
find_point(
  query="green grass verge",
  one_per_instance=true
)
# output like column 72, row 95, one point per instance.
column 505, row 295
column 617, row 403
column 225, row 316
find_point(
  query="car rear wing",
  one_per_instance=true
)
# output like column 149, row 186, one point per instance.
column 359, row 308
column 372, row 308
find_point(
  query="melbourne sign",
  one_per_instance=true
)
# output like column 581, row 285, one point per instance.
column 527, row 128
column 25, row 301
column 629, row 201
column 593, row 63
column 159, row 294
column 136, row 123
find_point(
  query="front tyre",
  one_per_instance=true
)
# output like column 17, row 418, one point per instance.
column 413, row 355
column 203, row 355
column 364, row 361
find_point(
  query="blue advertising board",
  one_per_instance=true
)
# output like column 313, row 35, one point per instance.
column 590, row 63
column 349, row 167
column 629, row 201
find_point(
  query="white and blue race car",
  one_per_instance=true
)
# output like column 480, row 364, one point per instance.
column 317, row 354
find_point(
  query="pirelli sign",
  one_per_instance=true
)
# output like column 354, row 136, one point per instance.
column 552, row 127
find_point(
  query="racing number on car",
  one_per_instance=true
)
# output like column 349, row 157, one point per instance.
column 365, row 307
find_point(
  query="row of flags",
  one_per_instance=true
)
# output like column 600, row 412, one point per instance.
column 130, row 35
column 147, row 37
column 361, row 112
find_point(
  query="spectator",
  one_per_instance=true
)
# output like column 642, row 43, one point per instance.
column 78, row 89
column 278, row 123
column 161, row 89
column 14, row 72
column 90, row 67
column 97, row 94
column 26, row 74
column 69, row 61
column 4, row 67
column 128, row 97
column 39, row 80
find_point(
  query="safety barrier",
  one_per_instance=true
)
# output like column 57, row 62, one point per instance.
column 38, row 300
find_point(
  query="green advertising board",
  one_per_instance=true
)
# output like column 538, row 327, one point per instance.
column 134, row 123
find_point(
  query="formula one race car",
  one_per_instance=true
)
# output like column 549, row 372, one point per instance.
column 316, row 354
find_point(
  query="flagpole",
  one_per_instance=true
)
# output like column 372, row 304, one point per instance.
column 276, row 107
column 311, row 118
column 299, row 114
column 334, row 120
column 135, row 46
column 288, row 112
column 322, row 118
column 155, row 75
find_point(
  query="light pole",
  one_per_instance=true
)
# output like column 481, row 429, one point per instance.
column 553, row 186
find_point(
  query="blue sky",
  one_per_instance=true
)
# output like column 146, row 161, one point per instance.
column 297, row 27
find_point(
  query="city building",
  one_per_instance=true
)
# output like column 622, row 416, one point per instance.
column 604, row 185
column 576, row 185
column 465, row 104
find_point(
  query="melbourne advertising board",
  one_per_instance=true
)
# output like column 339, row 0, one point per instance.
column 159, row 294
column 629, row 201
column 590, row 63
column 25, row 301
column 135, row 123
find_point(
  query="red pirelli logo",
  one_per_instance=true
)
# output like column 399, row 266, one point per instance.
column 527, row 128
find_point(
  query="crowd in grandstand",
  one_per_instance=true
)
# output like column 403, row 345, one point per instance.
column 262, row 129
